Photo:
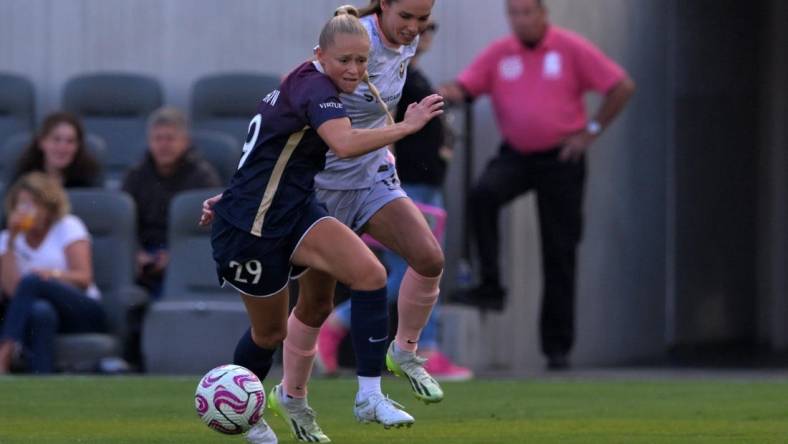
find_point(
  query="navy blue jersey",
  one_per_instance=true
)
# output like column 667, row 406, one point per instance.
column 283, row 153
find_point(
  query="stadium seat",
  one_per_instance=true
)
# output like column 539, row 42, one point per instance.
column 227, row 102
column 116, row 107
column 12, row 149
column 196, row 324
column 110, row 219
column 220, row 149
column 17, row 109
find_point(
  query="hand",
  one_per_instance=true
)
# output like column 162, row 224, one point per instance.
column 144, row 259
column 446, row 153
column 575, row 146
column 20, row 221
column 418, row 114
column 48, row 274
column 207, row 210
column 162, row 259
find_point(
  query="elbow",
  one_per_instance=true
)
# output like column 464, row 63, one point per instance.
column 341, row 152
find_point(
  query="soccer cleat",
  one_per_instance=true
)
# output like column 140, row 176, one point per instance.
column 381, row 409
column 261, row 433
column 301, row 421
column 411, row 366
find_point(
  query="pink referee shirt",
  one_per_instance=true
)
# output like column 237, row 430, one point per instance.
column 537, row 94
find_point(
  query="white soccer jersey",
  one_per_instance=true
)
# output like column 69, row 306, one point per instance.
column 387, row 70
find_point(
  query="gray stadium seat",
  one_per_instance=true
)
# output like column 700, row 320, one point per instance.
column 227, row 102
column 116, row 107
column 196, row 324
column 220, row 149
column 110, row 219
column 12, row 149
column 17, row 109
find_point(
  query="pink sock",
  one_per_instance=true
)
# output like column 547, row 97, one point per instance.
column 299, row 351
column 417, row 296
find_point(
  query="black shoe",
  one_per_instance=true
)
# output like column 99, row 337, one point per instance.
column 485, row 297
column 557, row 362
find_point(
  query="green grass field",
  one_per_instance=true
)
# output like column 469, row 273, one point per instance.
column 160, row 410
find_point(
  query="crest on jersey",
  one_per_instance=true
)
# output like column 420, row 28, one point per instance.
column 402, row 70
column 511, row 68
column 552, row 65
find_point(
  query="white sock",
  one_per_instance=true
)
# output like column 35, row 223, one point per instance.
column 368, row 385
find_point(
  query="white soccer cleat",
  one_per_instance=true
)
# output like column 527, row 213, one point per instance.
column 302, row 421
column 381, row 409
column 410, row 366
column 261, row 433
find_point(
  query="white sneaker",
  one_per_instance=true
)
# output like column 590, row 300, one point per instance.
column 410, row 366
column 302, row 421
column 381, row 409
column 261, row 433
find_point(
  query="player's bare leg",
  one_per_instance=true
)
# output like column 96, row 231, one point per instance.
column 289, row 399
column 268, row 330
column 401, row 227
column 335, row 251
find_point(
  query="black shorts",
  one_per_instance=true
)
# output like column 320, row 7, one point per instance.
column 260, row 266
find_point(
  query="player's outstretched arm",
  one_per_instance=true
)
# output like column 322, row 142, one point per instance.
column 346, row 141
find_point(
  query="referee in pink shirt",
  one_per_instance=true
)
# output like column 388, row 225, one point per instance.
column 537, row 78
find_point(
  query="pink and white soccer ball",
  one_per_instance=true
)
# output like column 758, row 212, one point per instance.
column 230, row 399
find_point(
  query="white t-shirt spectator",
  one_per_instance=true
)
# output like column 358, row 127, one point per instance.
column 51, row 254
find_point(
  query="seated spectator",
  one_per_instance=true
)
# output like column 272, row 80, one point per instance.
column 58, row 149
column 170, row 166
column 46, row 273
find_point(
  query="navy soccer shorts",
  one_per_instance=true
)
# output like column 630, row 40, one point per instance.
column 259, row 266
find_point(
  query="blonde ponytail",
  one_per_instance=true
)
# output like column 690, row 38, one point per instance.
column 375, row 92
column 345, row 21
column 347, row 10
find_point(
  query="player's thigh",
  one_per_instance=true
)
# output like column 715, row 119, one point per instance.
column 401, row 227
column 333, row 248
column 268, row 316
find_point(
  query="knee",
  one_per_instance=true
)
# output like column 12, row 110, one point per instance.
column 429, row 261
column 271, row 337
column 369, row 277
column 43, row 314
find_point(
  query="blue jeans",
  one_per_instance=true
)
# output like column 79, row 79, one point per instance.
column 40, row 309
column 397, row 267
